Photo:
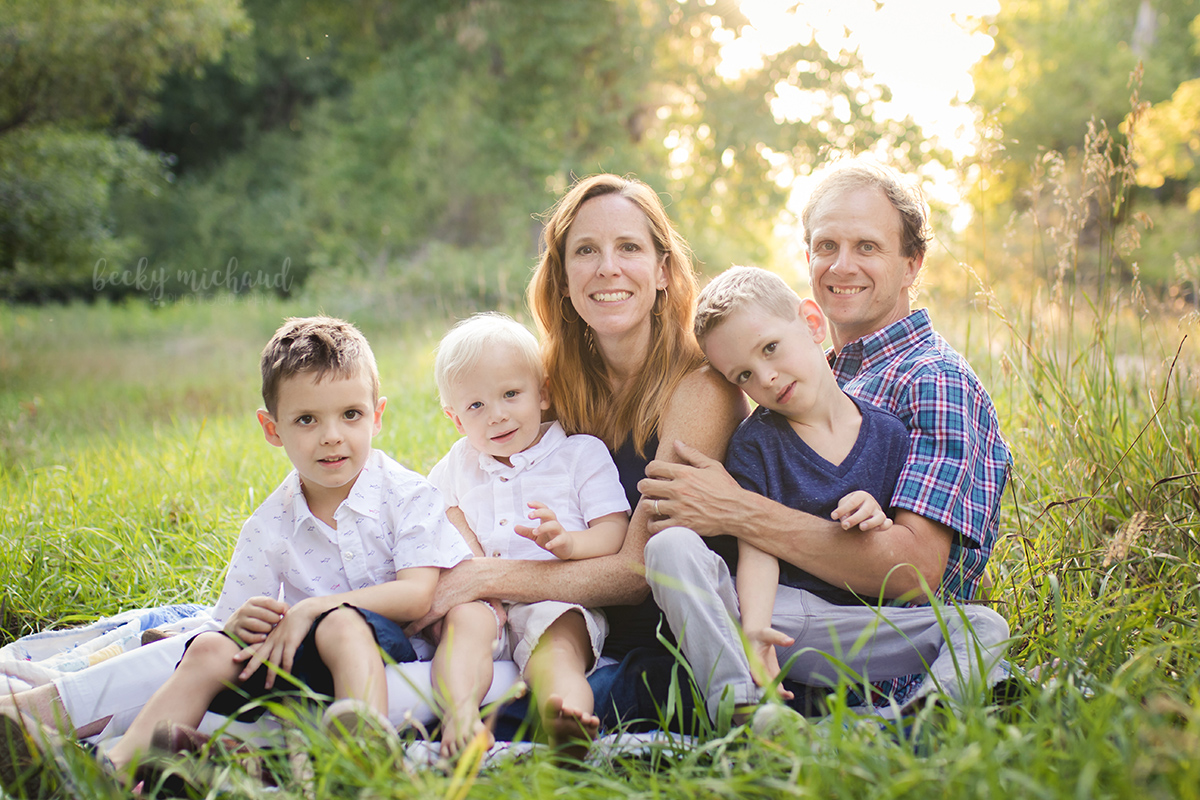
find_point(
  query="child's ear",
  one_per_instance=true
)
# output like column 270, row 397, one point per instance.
column 814, row 318
column 268, row 425
column 449, row 412
column 379, row 407
column 545, row 395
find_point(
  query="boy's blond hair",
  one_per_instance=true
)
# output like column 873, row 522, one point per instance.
column 738, row 287
column 470, row 340
column 320, row 345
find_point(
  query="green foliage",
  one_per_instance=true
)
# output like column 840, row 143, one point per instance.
column 56, row 192
column 1058, row 65
column 72, row 76
column 447, row 134
column 95, row 62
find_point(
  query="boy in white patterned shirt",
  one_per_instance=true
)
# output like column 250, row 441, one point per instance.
column 350, row 537
column 492, row 385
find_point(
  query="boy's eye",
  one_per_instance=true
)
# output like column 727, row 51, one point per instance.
column 304, row 419
column 770, row 347
column 510, row 394
column 474, row 406
column 742, row 377
column 353, row 413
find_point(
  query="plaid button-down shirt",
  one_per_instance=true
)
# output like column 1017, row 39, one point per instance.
column 958, row 463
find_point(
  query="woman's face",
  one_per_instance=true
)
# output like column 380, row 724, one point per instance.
column 613, row 271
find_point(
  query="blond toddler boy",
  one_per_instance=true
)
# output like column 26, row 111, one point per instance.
column 510, row 468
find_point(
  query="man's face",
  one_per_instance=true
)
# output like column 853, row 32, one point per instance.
column 859, row 276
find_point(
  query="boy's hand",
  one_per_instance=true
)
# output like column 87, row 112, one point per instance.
column 256, row 618
column 861, row 510
column 764, row 663
column 549, row 534
column 279, row 648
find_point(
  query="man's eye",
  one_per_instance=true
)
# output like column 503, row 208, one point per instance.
column 868, row 247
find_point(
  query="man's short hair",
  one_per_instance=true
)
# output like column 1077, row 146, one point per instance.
column 319, row 345
column 905, row 197
column 738, row 287
column 470, row 340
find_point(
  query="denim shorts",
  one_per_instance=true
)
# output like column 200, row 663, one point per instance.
column 308, row 670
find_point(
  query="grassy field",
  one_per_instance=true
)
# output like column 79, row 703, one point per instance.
column 129, row 456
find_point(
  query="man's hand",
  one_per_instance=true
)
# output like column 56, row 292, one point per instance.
column 254, row 619
column 549, row 533
column 861, row 510
column 697, row 494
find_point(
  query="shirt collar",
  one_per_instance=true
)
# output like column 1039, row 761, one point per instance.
column 552, row 436
column 883, row 344
column 365, row 498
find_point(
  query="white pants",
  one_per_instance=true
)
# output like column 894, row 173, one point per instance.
column 693, row 587
column 120, row 686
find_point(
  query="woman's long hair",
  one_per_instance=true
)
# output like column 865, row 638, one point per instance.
column 579, row 386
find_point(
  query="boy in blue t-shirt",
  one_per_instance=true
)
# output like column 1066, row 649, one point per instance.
column 814, row 448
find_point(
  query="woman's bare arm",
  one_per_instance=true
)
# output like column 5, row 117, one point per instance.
column 704, row 412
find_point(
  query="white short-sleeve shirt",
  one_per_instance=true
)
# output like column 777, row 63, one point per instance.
column 573, row 475
column 393, row 519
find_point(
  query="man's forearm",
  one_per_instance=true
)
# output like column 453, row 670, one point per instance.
column 893, row 561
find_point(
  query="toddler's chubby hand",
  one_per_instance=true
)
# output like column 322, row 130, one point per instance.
column 256, row 618
column 861, row 510
column 549, row 533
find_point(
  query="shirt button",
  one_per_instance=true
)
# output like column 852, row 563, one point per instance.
column 503, row 479
column 503, row 522
column 495, row 554
column 349, row 556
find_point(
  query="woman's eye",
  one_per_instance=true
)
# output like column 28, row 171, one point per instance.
column 586, row 250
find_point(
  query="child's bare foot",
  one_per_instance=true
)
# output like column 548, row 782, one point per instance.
column 571, row 730
column 459, row 730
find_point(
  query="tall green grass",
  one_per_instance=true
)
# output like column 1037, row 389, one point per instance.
column 129, row 456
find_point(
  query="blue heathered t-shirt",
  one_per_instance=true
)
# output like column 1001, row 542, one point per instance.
column 766, row 456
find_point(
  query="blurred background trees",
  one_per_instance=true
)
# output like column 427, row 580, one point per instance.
column 404, row 149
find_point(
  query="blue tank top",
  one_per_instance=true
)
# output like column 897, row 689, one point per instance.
column 634, row 626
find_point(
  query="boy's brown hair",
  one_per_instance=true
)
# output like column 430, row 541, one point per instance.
column 320, row 345
column 738, row 287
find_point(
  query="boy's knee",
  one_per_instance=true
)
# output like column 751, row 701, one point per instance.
column 341, row 626
column 209, row 648
column 669, row 548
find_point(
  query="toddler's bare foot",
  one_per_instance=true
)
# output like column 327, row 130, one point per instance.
column 459, row 730
column 571, row 730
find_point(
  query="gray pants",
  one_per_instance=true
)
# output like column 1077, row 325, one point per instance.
column 693, row 587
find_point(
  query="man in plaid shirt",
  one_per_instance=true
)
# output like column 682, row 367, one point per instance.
column 866, row 233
